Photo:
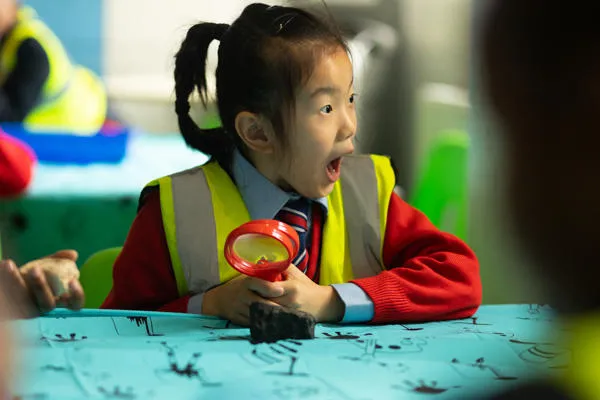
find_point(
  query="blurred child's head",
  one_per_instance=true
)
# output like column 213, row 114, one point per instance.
column 541, row 65
column 284, row 86
column 8, row 15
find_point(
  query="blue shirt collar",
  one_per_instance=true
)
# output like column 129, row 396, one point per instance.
column 262, row 198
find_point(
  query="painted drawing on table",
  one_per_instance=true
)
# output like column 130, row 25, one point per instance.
column 153, row 356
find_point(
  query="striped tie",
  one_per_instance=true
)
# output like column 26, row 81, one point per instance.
column 294, row 213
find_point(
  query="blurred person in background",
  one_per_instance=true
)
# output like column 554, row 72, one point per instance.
column 39, row 85
column 541, row 75
column 28, row 293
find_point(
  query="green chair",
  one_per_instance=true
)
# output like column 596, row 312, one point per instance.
column 96, row 276
column 441, row 190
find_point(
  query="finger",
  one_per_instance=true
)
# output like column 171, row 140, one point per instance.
column 62, row 301
column 10, row 278
column 40, row 290
column 289, row 300
column 12, row 284
column 9, row 267
column 264, row 288
column 7, row 264
column 254, row 298
column 76, row 296
column 68, row 254
column 241, row 310
column 241, row 320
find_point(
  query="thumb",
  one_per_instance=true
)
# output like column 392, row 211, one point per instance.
column 68, row 254
column 264, row 288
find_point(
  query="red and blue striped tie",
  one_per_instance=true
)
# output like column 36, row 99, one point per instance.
column 295, row 214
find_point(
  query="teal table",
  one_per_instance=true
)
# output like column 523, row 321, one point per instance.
column 136, row 355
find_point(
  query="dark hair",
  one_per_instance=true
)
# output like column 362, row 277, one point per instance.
column 541, row 60
column 541, row 75
column 263, row 58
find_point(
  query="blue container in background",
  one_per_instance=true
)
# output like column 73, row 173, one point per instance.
column 108, row 146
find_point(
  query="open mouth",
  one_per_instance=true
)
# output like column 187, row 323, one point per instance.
column 333, row 169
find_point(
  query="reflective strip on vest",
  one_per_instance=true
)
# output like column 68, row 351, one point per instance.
column 367, row 196
column 202, row 205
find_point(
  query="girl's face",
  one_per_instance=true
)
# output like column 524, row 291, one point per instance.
column 323, row 129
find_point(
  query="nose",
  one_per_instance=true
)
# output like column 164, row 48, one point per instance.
column 347, row 128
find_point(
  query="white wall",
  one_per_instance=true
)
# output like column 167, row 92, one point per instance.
column 141, row 38
column 438, row 34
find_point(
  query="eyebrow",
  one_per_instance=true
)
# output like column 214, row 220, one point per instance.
column 329, row 89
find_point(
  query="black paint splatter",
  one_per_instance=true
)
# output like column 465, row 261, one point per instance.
column 55, row 368
column 410, row 328
column 290, row 370
column 415, row 345
column 474, row 321
column 117, row 393
column 232, row 338
column 147, row 323
column 265, row 357
column 517, row 341
column 189, row 371
column 274, row 352
column 424, row 388
column 480, row 364
column 340, row 336
column 62, row 339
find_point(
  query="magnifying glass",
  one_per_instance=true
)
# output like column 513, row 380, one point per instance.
column 262, row 248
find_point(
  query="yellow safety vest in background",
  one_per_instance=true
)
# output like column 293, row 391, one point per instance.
column 581, row 335
column 73, row 98
column 201, row 206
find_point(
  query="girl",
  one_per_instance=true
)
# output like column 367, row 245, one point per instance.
column 285, row 97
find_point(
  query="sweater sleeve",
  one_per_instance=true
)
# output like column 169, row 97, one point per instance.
column 143, row 277
column 430, row 274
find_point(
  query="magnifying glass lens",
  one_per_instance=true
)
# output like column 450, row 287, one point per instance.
column 260, row 249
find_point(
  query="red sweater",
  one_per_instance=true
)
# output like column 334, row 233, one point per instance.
column 431, row 275
column 16, row 166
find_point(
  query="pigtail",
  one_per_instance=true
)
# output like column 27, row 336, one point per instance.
column 190, row 73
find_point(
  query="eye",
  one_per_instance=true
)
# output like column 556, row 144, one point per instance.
column 326, row 109
column 352, row 98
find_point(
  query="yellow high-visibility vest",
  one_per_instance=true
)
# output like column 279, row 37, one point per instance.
column 201, row 206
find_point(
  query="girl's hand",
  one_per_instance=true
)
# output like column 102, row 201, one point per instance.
column 301, row 293
column 28, row 293
column 232, row 299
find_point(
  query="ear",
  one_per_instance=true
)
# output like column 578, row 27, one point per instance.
column 255, row 131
